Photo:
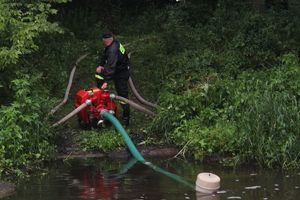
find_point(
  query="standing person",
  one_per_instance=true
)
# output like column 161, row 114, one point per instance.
column 114, row 65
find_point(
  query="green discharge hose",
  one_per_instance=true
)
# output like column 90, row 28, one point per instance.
column 125, row 168
column 110, row 117
column 128, row 165
column 170, row 175
column 136, row 154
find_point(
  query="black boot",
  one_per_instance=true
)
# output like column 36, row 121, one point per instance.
column 125, row 121
column 126, row 114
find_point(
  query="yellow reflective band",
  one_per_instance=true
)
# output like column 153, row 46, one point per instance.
column 122, row 49
column 99, row 77
column 122, row 102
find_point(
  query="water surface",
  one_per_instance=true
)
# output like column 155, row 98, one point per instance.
column 110, row 179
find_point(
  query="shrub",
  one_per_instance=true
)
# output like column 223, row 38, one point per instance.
column 199, row 140
column 24, row 133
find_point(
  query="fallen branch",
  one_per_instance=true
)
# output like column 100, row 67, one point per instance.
column 182, row 151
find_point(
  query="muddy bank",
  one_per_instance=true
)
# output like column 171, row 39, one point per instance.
column 6, row 189
column 123, row 153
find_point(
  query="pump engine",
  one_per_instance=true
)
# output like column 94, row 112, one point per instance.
column 100, row 100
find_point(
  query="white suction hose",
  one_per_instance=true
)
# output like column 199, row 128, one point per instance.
column 133, row 104
column 69, row 85
column 74, row 112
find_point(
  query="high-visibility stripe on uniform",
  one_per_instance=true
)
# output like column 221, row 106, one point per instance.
column 122, row 49
column 122, row 102
column 97, row 76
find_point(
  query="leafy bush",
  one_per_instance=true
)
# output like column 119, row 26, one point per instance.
column 24, row 132
column 202, row 140
column 20, row 24
column 197, row 112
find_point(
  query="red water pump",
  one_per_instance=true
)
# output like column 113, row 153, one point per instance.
column 100, row 100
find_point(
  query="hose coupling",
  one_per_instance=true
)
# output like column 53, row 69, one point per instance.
column 88, row 102
column 103, row 111
column 112, row 96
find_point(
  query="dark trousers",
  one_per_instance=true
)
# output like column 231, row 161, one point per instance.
column 121, row 85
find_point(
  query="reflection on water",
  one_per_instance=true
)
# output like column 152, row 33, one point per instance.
column 98, row 186
column 107, row 180
column 200, row 196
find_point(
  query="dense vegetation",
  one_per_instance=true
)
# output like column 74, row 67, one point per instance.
column 232, row 86
column 225, row 75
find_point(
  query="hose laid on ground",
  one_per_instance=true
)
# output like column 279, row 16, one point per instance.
column 74, row 112
column 136, row 93
column 138, row 96
column 134, row 105
column 136, row 154
column 69, row 85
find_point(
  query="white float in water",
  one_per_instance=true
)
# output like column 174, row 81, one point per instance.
column 207, row 183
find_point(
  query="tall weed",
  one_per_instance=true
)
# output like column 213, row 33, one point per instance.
column 269, row 130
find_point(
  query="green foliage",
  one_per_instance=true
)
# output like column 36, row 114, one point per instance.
column 24, row 133
column 254, row 117
column 212, row 67
column 268, row 120
column 177, row 108
column 20, row 24
column 145, row 53
column 220, row 75
column 253, row 41
column 103, row 140
column 269, row 130
column 200, row 140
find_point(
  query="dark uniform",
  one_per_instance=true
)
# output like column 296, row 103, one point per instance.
column 116, row 67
